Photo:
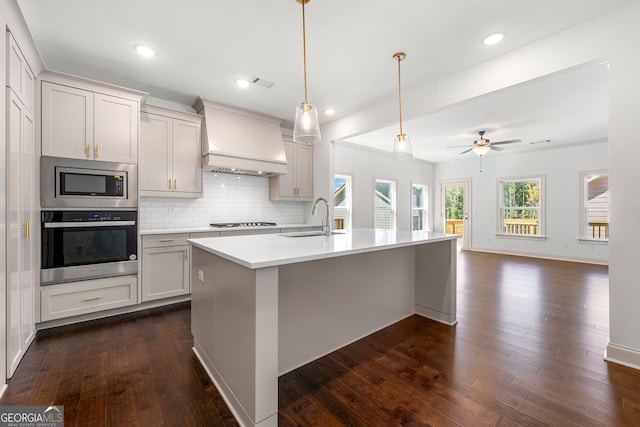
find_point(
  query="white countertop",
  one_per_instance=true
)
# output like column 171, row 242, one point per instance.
column 267, row 250
column 151, row 231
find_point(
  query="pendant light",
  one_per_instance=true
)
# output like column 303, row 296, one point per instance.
column 401, row 144
column 306, row 128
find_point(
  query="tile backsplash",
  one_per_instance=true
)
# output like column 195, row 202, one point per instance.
column 227, row 198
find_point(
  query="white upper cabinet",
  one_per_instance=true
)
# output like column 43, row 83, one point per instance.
column 19, row 76
column 86, row 123
column 297, row 183
column 115, row 130
column 170, row 153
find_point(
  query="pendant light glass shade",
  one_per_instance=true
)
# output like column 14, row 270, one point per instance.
column 402, row 148
column 401, row 144
column 306, row 128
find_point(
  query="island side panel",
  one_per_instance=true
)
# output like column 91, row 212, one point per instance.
column 235, row 329
column 327, row 304
column 435, row 287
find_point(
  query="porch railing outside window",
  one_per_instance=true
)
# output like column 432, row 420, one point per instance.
column 521, row 203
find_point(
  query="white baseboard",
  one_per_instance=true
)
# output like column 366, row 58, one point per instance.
column 3, row 389
column 543, row 256
column 621, row 355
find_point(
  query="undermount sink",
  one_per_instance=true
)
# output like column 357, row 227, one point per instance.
column 310, row 233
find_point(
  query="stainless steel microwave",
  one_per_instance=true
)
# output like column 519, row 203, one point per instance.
column 75, row 183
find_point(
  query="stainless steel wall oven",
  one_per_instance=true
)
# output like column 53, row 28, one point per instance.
column 80, row 245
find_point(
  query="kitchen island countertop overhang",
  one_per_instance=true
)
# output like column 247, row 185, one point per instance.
column 264, row 305
column 259, row 251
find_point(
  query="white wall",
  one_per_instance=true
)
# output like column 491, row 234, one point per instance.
column 561, row 168
column 367, row 165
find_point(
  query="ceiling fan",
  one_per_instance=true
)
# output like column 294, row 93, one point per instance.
column 482, row 146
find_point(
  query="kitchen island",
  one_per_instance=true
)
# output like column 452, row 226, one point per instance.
column 265, row 305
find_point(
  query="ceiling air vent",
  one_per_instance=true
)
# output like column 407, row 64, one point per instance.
column 262, row 82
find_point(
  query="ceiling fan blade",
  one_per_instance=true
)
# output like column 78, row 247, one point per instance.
column 460, row 146
column 496, row 148
column 510, row 141
column 466, row 151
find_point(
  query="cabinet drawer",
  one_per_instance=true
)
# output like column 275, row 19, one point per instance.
column 160, row 240
column 72, row 299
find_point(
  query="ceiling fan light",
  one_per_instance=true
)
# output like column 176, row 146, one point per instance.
column 481, row 150
column 306, row 127
column 402, row 148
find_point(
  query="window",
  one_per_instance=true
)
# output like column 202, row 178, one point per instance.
column 521, row 206
column 385, row 204
column 419, row 204
column 595, row 205
column 341, row 202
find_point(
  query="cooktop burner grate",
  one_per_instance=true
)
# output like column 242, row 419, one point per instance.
column 243, row 224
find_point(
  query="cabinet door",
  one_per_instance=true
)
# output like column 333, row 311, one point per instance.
column 287, row 183
column 187, row 157
column 304, row 171
column 19, row 77
column 20, row 273
column 165, row 272
column 116, row 129
column 67, row 121
column 154, row 169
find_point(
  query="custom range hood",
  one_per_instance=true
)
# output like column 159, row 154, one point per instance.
column 239, row 141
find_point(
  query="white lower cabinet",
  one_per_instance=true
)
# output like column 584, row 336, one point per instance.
column 165, row 266
column 88, row 296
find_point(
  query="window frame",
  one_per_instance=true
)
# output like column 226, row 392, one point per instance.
column 394, row 202
column 583, row 222
column 349, row 209
column 424, row 209
column 500, row 208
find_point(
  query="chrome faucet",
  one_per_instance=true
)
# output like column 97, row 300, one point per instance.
column 325, row 227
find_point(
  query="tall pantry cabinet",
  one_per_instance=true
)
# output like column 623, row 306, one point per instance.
column 20, row 172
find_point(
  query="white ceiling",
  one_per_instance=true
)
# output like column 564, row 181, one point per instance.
column 570, row 107
column 204, row 45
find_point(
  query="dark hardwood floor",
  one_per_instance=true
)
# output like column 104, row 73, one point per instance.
column 527, row 351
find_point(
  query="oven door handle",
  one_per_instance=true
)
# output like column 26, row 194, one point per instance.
column 87, row 224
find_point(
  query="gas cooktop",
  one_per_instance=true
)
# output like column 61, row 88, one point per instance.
column 243, row 224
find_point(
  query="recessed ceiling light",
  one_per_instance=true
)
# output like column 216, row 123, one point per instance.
column 242, row 83
column 329, row 111
column 493, row 38
column 145, row 51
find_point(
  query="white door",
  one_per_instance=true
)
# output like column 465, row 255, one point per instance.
column 455, row 210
